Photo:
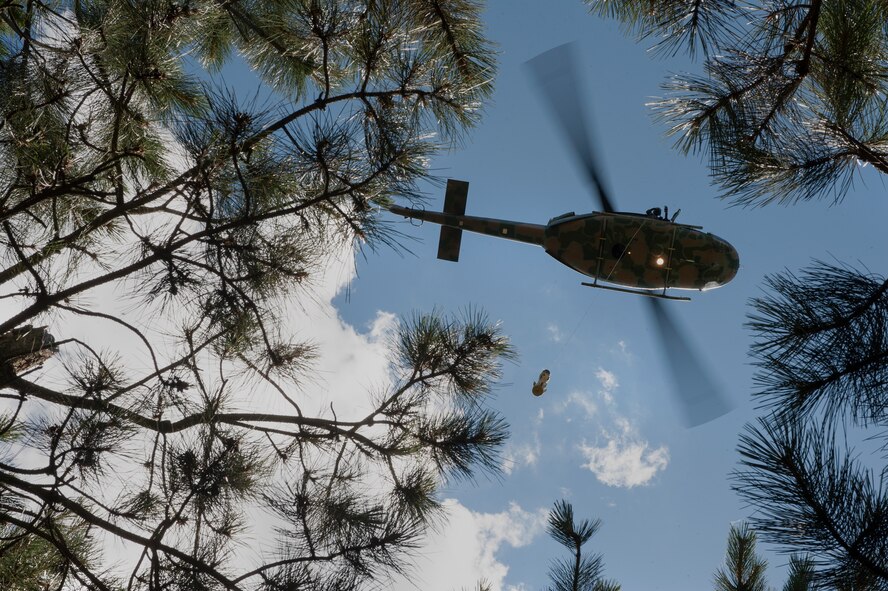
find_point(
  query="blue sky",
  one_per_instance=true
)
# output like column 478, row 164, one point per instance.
column 606, row 435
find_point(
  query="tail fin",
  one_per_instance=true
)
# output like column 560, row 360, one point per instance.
column 455, row 204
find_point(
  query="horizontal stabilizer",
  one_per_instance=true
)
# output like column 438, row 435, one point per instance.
column 454, row 204
column 448, row 245
column 455, row 197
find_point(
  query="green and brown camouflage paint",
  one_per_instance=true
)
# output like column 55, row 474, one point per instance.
column 628, row 249
column 641, row 251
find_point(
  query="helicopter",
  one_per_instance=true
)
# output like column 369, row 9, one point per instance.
column 644, row 254
column 641, row 253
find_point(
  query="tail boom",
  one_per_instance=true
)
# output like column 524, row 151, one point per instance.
column 519, row 231
column 453, row 221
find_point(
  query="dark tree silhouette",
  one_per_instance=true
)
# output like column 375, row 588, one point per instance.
column 140, row 197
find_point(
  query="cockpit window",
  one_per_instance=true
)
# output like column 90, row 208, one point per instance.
column 618, row 250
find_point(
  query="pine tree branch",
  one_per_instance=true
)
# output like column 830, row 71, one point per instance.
column 165, row 426
column 53, row 498
column 54, row 538
column 806, row 498
column 192, row 174
column 862, row 151
column 329, row 557
column 826, row 520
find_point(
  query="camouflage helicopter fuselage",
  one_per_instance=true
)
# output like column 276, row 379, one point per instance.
column 637, row 251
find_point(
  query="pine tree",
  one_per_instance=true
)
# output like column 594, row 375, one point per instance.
column 790, row 103
column 744, row 570
column 801, row 574
column 579, row 572
column 141, row 193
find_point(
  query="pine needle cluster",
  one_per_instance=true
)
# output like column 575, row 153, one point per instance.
column 792, row 98
column 744, row 569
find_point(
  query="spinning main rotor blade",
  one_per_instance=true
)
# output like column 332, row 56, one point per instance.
column 698, row 396
column 556, row 74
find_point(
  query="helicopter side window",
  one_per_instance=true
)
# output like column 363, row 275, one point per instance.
column 618, row 250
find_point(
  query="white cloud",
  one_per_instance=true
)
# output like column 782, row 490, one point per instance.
column 349, row 363
column 624, row 459
column 555, row 333
column 624, row 462
column 623, row 348
column 522, row 454
column 608, row 380
column 383, row 325
column 583, row 400
column 464, row 551
column 609, row 384
column 589, row 402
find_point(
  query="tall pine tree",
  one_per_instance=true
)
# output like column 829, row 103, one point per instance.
column 791, row 101
column 143, row 197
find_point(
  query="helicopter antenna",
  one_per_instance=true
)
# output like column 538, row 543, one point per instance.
column 556, row 75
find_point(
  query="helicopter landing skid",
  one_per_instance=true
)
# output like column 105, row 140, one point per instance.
column 640, row 292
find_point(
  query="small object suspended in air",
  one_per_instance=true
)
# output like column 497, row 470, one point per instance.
column 540, row 385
